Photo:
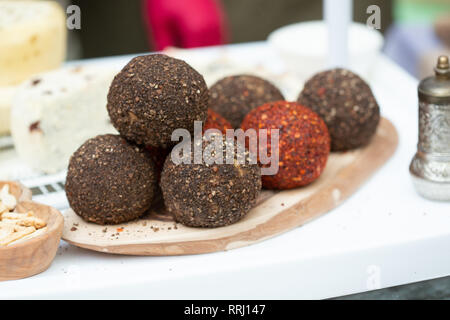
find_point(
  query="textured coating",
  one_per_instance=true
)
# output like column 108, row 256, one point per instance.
column 202, row 195
column 216, row 121
column 155, row 94
column 110, row 181
column 233, row 97
column 304, row 142
column 346, row 104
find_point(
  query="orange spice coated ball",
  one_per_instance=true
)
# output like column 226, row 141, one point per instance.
column 304, row 142
column 216, row 121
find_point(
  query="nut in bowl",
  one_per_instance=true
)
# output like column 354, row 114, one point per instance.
column 19, row 191
column 29, row 233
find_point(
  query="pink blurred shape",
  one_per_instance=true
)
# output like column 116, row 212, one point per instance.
column 185, row 23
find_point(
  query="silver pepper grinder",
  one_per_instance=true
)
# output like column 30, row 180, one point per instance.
column 430, row 167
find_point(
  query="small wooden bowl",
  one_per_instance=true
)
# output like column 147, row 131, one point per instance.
column 35, row 255
column 18, row 190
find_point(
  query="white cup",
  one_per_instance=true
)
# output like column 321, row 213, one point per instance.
column 304, row 47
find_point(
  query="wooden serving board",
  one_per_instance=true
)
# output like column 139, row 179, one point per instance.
column 276, row 212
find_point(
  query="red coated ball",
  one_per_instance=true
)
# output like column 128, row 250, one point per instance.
column 216, row 121
column 304, row 142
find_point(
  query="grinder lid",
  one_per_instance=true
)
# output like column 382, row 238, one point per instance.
column 436, row 89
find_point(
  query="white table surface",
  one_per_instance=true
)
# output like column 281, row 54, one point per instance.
column 384, row 235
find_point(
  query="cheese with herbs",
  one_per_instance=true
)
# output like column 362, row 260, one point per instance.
column 56, row 112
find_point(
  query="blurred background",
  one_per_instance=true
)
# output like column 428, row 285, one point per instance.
column 122, row 26
column 415, row 30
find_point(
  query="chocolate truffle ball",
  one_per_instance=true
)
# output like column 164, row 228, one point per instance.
column 233, row 97
column 213, row 121
column 153, row 95
column 210, row 195
column 303, row 147
column 216, row 121
column 110, row 180
column 346, row 104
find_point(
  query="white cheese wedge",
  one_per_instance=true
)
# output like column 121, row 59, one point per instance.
column 32, row 39
column 56, row 112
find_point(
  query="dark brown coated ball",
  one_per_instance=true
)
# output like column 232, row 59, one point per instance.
column 202, row 195
column 346, row 104
column 303, row 146
column 155, row 94
column 233, row 97
column 110, row 181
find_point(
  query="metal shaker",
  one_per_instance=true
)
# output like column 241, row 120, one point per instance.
column 430, row 167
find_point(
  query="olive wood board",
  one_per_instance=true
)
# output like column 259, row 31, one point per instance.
column 27, row 257
column 276, row 212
